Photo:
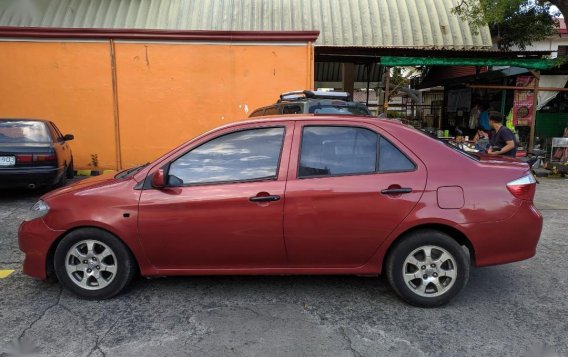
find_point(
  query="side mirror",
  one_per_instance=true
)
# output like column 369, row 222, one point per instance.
column 68, row 137
column 159, row 179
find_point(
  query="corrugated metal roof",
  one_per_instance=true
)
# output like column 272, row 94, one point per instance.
column 424, row 24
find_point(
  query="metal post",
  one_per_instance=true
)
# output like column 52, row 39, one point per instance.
column 115, row 106
column 503, row 98
column 387, row 91
column 536, row 75
column 368, row 81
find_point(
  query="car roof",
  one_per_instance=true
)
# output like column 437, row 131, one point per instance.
column 317, row 118
column 26, row 119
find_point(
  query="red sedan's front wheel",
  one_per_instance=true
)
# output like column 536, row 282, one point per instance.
column 93, row 263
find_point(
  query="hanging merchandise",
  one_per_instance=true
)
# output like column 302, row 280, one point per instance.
column 474, row 117
column 523, row 104
column 509, row 121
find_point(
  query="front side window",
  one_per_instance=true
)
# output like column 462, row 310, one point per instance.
column 246, row 155
column 336, row 150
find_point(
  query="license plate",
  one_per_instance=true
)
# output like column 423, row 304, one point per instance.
column 7, row 160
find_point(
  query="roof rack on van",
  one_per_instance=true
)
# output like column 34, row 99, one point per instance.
column 317, row 94
column 310, row 94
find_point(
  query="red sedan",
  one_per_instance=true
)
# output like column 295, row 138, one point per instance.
column 291, row 195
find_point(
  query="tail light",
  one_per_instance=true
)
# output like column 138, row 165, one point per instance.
column 44, row 157
column 29, row 158
column 24, row 158
column 523, row 188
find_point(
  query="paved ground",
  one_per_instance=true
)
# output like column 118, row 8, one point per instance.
column 518, row 309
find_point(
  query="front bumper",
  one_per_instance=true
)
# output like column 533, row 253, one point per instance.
column 509, row 240
column 22, row 177
column 35, row 238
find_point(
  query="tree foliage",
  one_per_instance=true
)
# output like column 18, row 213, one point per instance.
column 513, row 22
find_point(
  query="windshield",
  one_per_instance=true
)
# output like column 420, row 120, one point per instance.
column 130, row 172
column 23, row 131
column 337, row 107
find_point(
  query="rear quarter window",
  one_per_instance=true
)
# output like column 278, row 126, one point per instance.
column 391, row 159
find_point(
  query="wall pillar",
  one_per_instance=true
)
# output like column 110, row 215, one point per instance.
column 348, row 77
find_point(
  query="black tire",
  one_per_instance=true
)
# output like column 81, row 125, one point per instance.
column 435, row 281
column 70, row 173
column 124, row 264
column 62, row 180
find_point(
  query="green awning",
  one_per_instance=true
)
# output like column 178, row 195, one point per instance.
column 529, row 63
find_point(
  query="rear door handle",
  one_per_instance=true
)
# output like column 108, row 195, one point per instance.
column 271, row 198
column 396, row 191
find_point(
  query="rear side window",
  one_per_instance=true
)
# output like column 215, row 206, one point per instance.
column 271, row 111
column 292, row 109
column 257, row 113
column 392, row 159
column 335, row 150
column 246, row 155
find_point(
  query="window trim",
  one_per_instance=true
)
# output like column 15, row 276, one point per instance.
column 260, row 179
column 337, row 175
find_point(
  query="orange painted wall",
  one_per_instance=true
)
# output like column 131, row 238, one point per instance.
column 69, row 83
column 169, row 93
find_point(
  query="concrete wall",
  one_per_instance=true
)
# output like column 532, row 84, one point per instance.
column 162, row 94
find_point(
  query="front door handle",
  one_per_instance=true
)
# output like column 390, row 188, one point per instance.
column 270, row 198
column 396, row 191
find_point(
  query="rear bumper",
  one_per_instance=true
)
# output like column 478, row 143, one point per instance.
column 23, row 177
column 506, row 241
column 35, row 238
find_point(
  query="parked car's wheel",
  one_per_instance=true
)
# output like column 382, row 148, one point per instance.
column 93, row 263
column 62, row 180
column 70, row 173
column 427, row 268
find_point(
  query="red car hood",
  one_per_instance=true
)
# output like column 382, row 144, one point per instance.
column 86, row 184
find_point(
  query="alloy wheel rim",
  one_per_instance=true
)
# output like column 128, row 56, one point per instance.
column 429, row 271
column 91, row 264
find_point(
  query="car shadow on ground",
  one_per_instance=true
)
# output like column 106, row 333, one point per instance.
column 490, row 284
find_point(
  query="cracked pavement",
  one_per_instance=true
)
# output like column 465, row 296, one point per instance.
column 518, row 309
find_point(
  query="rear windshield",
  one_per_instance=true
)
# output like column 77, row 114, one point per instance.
column 471, row 155
column 26, row 131
column 337, row 107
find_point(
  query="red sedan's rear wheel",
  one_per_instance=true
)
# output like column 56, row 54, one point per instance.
column 93, row 263
column 427, row 268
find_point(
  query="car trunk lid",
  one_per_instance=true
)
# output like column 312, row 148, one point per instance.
column 20, row 155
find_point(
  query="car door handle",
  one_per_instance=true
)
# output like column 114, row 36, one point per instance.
column 396, row 191
column 270, row 198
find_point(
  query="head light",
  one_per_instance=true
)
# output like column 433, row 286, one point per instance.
column 39, row 209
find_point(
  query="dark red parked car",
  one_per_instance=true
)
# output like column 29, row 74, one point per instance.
column 291, row 195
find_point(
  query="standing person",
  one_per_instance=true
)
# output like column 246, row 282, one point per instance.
column 484, row 118
column 503, row 141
